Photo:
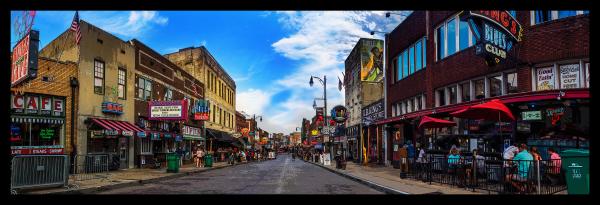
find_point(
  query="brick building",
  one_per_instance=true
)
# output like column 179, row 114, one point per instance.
column 161, row 82
column 434, row 70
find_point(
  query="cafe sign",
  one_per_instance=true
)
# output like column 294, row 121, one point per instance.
column 496, row 31
column 24, row 59
column 37, row 105
column 167, row 110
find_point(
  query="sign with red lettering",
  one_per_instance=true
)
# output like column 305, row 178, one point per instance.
column 32, row 103
column 496, row 31
column 503, row 19
column 36, row 150
column 17, row 103
column 58, row 107
column 113, row 108
column 46, row 105
column 201, row 116
column 25, row 58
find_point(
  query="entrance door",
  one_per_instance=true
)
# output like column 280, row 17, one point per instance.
column 123, row 152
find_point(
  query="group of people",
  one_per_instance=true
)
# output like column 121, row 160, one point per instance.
column 520, row 159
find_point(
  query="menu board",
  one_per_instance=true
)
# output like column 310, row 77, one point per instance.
column 545, row 78
column 569, row 76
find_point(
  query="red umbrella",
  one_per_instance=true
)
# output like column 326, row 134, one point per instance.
column 430, row 122
column 493, row 110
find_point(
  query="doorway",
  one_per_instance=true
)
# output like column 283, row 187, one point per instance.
column 123, row 152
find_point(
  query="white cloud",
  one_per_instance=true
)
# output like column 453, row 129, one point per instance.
column 128, row 24
column 320, row 42
column 253, row 101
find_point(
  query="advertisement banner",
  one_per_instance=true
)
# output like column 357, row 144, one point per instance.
column 371, row 60
column 168, row 110
column 569, row 76
column 545, row 78
column 24, row 61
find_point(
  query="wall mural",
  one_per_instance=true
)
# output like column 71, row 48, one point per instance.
column 371, row 53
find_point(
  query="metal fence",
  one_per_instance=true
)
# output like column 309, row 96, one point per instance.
column 91, row 166
column 39, row 171
column 498, row 176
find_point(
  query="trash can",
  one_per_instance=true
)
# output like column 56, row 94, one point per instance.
column 576, row 163
column 208, row 160
column 172, row 163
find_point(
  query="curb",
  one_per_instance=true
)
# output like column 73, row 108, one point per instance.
column 93, row 190
column 373, row 185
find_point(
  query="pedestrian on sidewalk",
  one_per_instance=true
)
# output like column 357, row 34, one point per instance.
column 199, row 157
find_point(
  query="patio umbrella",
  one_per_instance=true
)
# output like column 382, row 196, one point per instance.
column 493, row 110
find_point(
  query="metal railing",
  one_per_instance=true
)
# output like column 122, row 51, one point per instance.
column 91, row 166
column 498, row 176
column 39, row 171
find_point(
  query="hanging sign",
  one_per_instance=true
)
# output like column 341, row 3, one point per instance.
column 24, row 61
column 155, row 136
column 167, row 110
column 496, row 31
column 112, row 108
column 569, row 76
column 201, row 110
column 545, row 78
column 58, row 108
column 339, row 114
column 555, row 113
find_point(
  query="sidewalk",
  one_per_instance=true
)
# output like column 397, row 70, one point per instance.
column 388, row 179
column 124, row 178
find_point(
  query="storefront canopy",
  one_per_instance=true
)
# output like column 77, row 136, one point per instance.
column 220, row 136
column 116, row 125
column 430, row 122
column 493, row 110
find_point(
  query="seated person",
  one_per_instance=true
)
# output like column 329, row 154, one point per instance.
column 523, row 160
column 453, row 159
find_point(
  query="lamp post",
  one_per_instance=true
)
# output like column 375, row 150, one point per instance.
column 324, row 83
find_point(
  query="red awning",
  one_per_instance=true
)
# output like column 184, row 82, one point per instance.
column 493, row 110
column 430, row 122
column 116, row 125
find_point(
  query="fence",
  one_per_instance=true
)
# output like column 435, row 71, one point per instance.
column 499, row 176
column 38, row 171
column 91, row 166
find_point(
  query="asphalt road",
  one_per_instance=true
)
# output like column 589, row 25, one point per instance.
column 279, row 176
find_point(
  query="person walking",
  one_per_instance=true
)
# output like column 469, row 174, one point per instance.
column 199, row 157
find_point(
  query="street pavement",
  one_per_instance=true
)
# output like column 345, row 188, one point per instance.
column 279, row 176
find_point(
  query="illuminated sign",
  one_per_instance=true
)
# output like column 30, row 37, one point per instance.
column 531, row 115
column 339, row 114
column 496, row 31
column 167, row 110
column 31, row 104
column 314, row 132
column 127, row 133
column 113, row 108
column 47, row 133
column 24, row 60
column 201, row 110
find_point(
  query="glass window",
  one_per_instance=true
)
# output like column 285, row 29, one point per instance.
column 465, row 92
column 513, row 13
column 168, row 94
column 424, row 52
column 399, row 67
column 463, row 35
column 511, row 83
column 586, row 11
column 441, row 51
column 148, row 89
column 419, row 103
column 452, row 93
column 98, row 77
column 405, row 64
column 542, row 16
column 418, row 55
column 121, row 83
column 495, row 86
column 394, row 111
column 409, row 106
column 141, row 88
column 479, row 89
column 442, row 97
column 566, row 13
column 451, row 37
column 411, row 60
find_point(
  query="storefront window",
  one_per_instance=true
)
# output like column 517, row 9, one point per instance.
column 542, row 16
column 452, row 93
column 441, row 97
column 545, row 78
column 495, row 86
column 479, row 89
column 146, row 145
column 465, row 92
column 569, row 76
column 35, row 134
column 511, row 83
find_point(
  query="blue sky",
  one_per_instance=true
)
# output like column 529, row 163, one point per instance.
column 270, row 54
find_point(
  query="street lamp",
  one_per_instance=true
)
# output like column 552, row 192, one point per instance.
column 324, row 83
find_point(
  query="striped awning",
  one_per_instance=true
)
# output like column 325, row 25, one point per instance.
column 116, row 125
column 25, row 119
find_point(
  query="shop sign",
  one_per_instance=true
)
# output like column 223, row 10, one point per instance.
column 569, row 76
column 46, row 105
column 36, row 105
column 32, row 104
column 17, row 103
column 187, row 130
column 24, row 61
column 127, row 133
column 314, row 132
column 554, row 114
column 111, row 132
column 47, row 133
column 112, row 108
column 531, row 115
column 339, row 114
column 523, row 127
column 58, row 107
column 96, row 133
column 545, row 78
column 141, row 134
column 40, row 150
column 245, row 132
column 166, row 135
column 15, row 133
column 373, row 113
column 155, row 136
column 496, row 31
column 201, row 116
column 178, row 138
column 167, row 110
column 201, row 110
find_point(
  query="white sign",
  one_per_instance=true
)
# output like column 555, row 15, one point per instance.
column 127, row 133
column 187, row 130
column 587, row 75
column 531, row 115
column 166, row 111
column 326, row 160
column 569, row 76
column 545, row 78
column 328, row 130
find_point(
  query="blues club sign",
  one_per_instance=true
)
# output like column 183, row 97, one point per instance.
column 496, row 32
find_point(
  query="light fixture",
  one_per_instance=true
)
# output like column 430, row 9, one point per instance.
column 315, row 104
column 311, row 81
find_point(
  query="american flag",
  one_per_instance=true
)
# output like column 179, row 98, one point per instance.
column 75, row 27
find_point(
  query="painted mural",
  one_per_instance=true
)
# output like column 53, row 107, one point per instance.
column 371, row 60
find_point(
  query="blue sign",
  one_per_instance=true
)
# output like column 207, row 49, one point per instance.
column 141, row 134
column 155, row 136
column 168, row 136
column 201, row 106
column 178, row 138
column 110, row 107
